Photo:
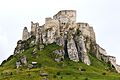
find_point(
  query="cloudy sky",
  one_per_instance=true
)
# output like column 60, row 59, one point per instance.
column 103, row 15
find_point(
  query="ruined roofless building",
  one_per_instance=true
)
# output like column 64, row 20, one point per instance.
column 77, row 38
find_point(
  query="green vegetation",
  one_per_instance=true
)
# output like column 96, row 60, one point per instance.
column 64, row 70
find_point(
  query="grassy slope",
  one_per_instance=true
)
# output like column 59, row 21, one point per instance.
column 66, row 70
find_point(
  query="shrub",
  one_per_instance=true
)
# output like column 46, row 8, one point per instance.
column 68, row 73
column 83, row 69
column 58, row 73
column 3, row 62
column 11, row 73
column 61, row 77
column 54, row 76
column 39, row 65
column 104, row 73
column 86, row 78
column 76, row 78
column 9, row 58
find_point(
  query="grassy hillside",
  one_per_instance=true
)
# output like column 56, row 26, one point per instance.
column 65, row 70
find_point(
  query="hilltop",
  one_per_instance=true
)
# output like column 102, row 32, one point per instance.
column 60, row 49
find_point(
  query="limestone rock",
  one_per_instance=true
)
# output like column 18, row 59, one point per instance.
column 23, row 60
column 72, row 50
column 43, row 74
column 18, row 64
column 19, row 48
column 82, row 49
column 30, row 66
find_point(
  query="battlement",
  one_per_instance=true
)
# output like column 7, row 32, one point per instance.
column 65, row 16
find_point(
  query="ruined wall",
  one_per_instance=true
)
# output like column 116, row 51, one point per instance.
column 34, row 28
column 87, row 30
column 25, row 34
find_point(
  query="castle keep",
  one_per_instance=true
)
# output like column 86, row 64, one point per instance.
column 77, row 38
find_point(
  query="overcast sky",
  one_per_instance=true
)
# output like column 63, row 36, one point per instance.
column 103, row 15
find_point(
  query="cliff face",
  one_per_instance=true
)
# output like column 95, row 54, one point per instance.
column 77, row 39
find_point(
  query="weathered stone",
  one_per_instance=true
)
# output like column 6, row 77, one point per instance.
column 43, row 74
column 82, row 53
column 45, row 78
column 72, row 50
column 30, row 66
column 23, row 60
column 25, row 34
column 57, row 59
column 59, row 52
column 41, row 47
column 19, row 48
column 34, row 63
column 18, row 64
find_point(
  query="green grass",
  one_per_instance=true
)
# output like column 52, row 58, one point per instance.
column 66, row 70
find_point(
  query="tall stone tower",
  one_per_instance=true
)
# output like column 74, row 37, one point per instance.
column 34, row 28
column 25, row 35
column 66, row 16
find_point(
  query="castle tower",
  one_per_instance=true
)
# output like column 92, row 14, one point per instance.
column 39, row 35
column 25, row 35
column 66, row 16
column 34, row 28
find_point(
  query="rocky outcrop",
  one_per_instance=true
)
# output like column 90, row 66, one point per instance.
column 72, row 50
column 19, row 48
column 77, row 39
column 23, row 60
column 82, row 49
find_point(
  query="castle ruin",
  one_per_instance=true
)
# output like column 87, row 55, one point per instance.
column 77, row 38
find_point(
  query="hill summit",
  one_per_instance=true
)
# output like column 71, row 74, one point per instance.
column 78, row 39
column 61, row 43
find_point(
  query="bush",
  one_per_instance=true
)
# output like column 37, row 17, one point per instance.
column 86, row 78
column 83, row 69
column 54, row 76
column 39, row 65
column 104, row 73
column 11, row 73
column 3, row 62
column 61, row 77
column 58, row 73
column 9, row 58
column 68, row 73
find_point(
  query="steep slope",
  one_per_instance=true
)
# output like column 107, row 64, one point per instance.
column 64, row 70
